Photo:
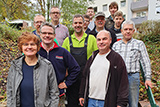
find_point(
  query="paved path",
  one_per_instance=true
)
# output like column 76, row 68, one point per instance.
column 147, row 104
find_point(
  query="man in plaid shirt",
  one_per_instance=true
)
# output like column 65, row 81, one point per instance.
column 133, row 51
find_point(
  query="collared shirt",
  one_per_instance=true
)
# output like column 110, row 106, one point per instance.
column 91, row 46
column 133, row 52
column 61, row 33
column 91, row 25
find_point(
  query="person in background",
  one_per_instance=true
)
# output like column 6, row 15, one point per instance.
column 99, row 22
column 81, row 46
column 86, row 23
column 61, row 30
column 133, row 52
column 31, row 79
column 90, row 13
column 118, row 20
column 38, row 20
column 66, row 68
column 113, row 7
column 104, row 79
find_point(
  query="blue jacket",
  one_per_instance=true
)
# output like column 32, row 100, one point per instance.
column 62, row 60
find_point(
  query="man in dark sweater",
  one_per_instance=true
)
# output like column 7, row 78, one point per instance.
column 104, row 80
column 66, row 68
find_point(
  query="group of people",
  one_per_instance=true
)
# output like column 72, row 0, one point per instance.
column 96, row 66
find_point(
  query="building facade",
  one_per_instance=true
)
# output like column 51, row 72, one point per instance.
column 135, row 10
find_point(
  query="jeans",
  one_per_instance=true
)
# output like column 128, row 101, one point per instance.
column 134, row 82
column 95, row 103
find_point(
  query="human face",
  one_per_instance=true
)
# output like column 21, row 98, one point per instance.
column 47, row 35
column 86, row 23
column 91, row 13
column 118, row 21
column 78, row 24
column 103, row 41
column 127, row 32
column 55, row 14
column 112, row 10
column 38, row 20
column 29, row 48
column 100, row 21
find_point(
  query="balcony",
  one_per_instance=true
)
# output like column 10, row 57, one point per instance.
column 139, row 5
column 139, row 20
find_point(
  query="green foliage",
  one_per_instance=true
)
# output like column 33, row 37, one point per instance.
column 15, row 9
column 8, row 32
column 150, row 35
column 71, row 7
column 150, row 31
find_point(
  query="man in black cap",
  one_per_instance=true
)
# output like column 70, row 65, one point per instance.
column 99, row 22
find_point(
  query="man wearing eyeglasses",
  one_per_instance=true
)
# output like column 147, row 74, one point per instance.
column 38, row 20
column 60, row 58
column 61, row 30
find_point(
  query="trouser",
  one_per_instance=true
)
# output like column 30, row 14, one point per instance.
column 95, row 103
column 73, row 95
column 134, row 82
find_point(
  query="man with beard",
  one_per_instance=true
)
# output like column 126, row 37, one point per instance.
column 99, row 22
column 38, row 20
column 81, row 46
column 61, row 30
column 118, row 19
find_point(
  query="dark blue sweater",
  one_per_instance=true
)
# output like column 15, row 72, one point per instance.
column 27, row 87
column 61, row 60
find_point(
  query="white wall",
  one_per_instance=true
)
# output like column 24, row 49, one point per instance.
column 152, row 15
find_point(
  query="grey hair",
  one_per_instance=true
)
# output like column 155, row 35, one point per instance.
column 128, row 22
column 106, row 31
column 76, row 16
column 48, row 24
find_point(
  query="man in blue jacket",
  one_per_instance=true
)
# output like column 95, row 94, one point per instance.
column 66, row 67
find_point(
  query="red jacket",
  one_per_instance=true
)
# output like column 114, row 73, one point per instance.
column 117, row 82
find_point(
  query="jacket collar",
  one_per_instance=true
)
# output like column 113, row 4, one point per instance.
column 18, row 62
column 53, row 47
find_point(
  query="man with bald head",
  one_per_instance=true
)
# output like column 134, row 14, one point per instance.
column 104, row 82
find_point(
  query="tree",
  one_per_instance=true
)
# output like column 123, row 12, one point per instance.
column 71, row 7
column 68, row 9
column 15, row 9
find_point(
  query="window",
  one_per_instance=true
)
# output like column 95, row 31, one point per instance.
column 105, row 7
column 95, row 9
column 141, row 14
column 123, row 3
column 124, row 16
column 157, row 9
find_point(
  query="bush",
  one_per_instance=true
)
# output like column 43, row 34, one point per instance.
column 150, row 31
column 7, row 32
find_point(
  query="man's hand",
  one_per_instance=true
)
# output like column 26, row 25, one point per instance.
column 62, row 85
column 81, row 100
column 148, row 83
column 118, row 106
